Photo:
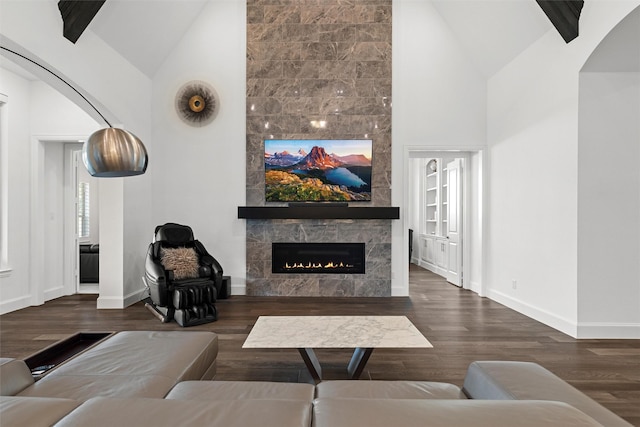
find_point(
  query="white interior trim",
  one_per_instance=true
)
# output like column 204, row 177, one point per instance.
column 5, row 269
column 460, row 151
column 37, row 220
column 560, row 323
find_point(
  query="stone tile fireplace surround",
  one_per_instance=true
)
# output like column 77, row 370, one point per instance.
column 310, row 62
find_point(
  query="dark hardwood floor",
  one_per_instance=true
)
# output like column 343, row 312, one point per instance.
column 462, row 327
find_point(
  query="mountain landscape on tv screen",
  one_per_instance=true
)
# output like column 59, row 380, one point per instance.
column 316, row 176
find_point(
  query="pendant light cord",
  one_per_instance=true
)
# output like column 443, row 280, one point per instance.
column 61, row 79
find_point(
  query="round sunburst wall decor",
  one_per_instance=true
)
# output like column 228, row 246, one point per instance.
column 197, row 103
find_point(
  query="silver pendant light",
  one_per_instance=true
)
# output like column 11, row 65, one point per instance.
column 114, row 152
column 109, row 152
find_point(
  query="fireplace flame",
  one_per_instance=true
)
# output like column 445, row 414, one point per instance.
column 309, row 265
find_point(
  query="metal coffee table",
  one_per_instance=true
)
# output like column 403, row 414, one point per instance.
column 363, row 333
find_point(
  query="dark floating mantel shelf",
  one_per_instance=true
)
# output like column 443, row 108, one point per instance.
column 317, row 212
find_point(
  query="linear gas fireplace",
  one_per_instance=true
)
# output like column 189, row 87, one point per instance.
column 318, row 258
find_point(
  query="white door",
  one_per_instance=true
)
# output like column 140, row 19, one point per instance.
column 72, row 152
column 454, row 222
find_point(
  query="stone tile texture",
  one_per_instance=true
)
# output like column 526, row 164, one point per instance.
column 311, row 61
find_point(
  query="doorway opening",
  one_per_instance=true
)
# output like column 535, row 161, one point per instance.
column 54, row 217
column 437, row 214
column 444, row 203
column 82, row 221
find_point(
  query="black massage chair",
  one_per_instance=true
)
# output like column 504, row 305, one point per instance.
column 182, row 278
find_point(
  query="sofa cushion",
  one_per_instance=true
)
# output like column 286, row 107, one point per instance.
column 241, row 390
column 132, row 364
column 526, row 380
column 33, row 411
column 388, row 390
column 83, row 387
column 15, row 376
column 445, row 413
column 109, row 412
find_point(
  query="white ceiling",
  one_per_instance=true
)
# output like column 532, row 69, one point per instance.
column 145, row 31
column 492, row 31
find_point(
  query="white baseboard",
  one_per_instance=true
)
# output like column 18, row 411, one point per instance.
column 475, row 287
column 110, row 303
column 560, row 323
column 399, row 291
column 432, row 268
column 53, row 293
column 121, row 302
column 583, row 330
column 89, row 288
column 15, row 304
column 135, row 296
column 596, row 330
column 238, row 288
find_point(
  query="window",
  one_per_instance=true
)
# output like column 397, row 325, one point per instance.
column 84, row 223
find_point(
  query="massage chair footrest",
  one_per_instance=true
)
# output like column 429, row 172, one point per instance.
column 194, row 293
column 196, row 315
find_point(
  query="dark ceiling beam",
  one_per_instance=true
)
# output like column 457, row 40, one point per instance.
column 76, row 16
column 564, row 15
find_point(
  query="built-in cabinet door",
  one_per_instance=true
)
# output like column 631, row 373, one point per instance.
column 441, row 215
column 442, row 248
column 429, row 246
column 427, row 254
column 454, row 222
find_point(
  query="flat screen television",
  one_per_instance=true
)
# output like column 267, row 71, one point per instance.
column 317, row 170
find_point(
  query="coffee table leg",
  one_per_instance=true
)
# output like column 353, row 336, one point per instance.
column 310, row 359
column 357, row 362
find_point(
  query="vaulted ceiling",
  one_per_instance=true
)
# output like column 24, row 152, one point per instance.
column 492, row 32
column 143, row 31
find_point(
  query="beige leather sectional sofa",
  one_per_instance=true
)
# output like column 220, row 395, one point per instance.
column 165, row 379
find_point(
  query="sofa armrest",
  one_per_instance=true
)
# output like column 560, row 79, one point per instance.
column 500, row 380
column 15, row 376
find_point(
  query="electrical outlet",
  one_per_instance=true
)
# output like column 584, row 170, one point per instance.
column 514, row 284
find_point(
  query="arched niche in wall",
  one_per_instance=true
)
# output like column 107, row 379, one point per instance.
column 609, row 186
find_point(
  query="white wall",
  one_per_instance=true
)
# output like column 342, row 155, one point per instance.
column 533, row 162
column 30, row 108
column 439, row 105
column 529, row 119
column 14, row 286
column 440, row 85
column 609, row 186
column 125, row 95
column 609, row 205
column 439, row 102
column 199, row 172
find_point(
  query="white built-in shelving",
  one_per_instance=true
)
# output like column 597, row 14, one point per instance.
column 433, row 234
